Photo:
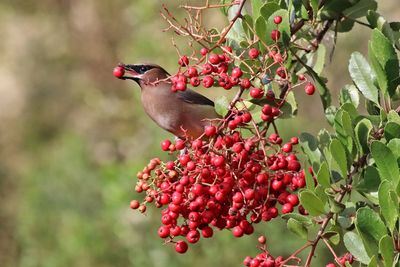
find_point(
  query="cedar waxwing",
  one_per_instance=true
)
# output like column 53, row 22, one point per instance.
column 177, row 112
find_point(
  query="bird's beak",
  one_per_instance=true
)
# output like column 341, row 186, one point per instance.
column 133, row 74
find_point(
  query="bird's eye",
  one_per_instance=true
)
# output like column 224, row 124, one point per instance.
column 143, row 69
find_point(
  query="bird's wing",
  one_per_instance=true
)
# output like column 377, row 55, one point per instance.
column 192, row 97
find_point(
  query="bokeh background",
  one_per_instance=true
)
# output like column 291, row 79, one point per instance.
column 72, row 137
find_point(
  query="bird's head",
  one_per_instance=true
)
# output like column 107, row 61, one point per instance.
column 144, row 74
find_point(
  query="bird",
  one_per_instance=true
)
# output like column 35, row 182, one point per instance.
column 185, row 114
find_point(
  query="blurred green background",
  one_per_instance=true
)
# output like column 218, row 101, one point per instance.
column 72, row 137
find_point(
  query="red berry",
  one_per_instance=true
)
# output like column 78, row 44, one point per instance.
column 192, row 72
column 163, row 231
column 287, row 208
column 277, row 19
column 183, row 61
column 310, row 89
column 207, row 68
column 213, row 59
column 195, row 81
column 275, row 35
column 245, row 83
column 294, row 140
column 293, row 199
column 165, row 145
column 181, row 246
column 237, row 231
column 301, row 77
column 134, row 204
column 267, row 109
column 203, row 51
column 119, row 71
column 330, row 265
column 256, row 93
column 246, row 117
column 253, row 53
column 180, row 86
column 208, row 81
column 207, row 232
column 237, row 73
column 210, row 130
column 287, row 148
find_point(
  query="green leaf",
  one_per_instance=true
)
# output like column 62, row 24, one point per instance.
column 333, row 9
column 386, row 162
column 336, row 207
column 332, row 236
column 389, row 204
column 309, row 145
column 371, row 229
column 247, row 23
column 297, row 228
column 256, row 7
column 344, row 129
column 360, row 9
column 393, row 116
column 298, row 217
column 221, row 105
column 309, row 180
column 392, row 130
column 362, row 130
column 363, row 76
column 330, row 113
column 349, row 94
column 394, row 146
column 371, row 180
column 387, row 250
column 312, row 203
column 387, row 58
column 354, row 245
column 268, row 9
column 339, row 156
column 237, row 33
column 261, row 29
column 323, row 175
column 319, row 59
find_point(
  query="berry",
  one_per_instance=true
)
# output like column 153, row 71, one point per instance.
column 309, row 89
column 277, row 19
column 195, row 81
column 210, row 130
column 256, row 93
column 287, row 208
column 134, row 204
column 208, row 81
column 253, row 53
column 262, row 240
column 214, row 59
column 181, row 247
column 330, row 265
column 183, row 61
column 165, row 145
column 163, row 231
column 245, row 83
column 237, row 231
column 301, row 77
column 294, row 140
column 119, row 72
column 275, row 35
column 237, row 73
column 192, row 72
column 287, row 148
column 204, row 51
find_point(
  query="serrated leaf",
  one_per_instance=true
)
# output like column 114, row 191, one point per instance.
column 339, row 156
column 354, row 245
column 309, row 145
column 298, row 217
column 363, row 76
column 323, row 175
column 387, row 250
column 221, row 105
column 389, row 204
column 387, row 58
column 362, row 131
column 332, row 236
column 349, row 94
column 386, row 162
column 297, row 228
column 360, row 9
column 371, row 229
column 312, row 203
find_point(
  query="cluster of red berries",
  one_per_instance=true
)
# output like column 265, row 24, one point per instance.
column 263, row 259
column 347, row 257
column 223, row 181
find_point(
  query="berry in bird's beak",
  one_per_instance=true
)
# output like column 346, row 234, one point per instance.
column 119, row 72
